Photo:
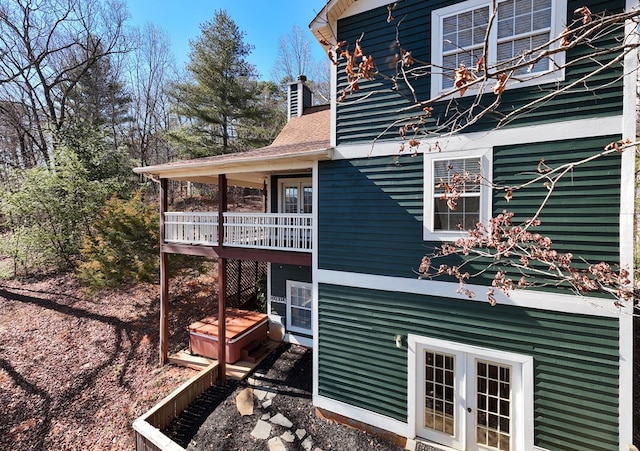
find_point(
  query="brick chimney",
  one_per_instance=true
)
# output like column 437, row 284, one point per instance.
column 300, row 97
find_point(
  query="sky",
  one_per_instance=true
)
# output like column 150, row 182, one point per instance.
column 262, row 21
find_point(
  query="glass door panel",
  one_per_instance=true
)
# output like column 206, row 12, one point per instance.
column 439, row 392
column 291, row 199
column 493, row 407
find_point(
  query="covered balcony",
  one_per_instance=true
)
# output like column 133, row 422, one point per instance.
column 282, row 233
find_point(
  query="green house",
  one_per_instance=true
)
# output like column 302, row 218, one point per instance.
column 349, row 218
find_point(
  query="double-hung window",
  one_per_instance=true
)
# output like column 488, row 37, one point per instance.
column 461, row 175
column 457, row 193
column 299, row 307
column 518, row 33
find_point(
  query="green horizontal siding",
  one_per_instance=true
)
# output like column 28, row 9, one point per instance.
column 575, row 357
column 362, row 118
column 371, row 209
column 582, row 216
column 369, row 113
column 370, row 215
column 281, row 273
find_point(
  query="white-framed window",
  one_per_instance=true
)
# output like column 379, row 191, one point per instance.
column 448, row 216
column 296, row 196
column 299, row 306
column 458, row 36
column 470, row 398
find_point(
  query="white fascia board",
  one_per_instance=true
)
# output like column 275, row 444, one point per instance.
column 524, row 298
column 238, row 162
column 557, row 131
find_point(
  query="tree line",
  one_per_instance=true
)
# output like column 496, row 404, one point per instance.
column 84, row 98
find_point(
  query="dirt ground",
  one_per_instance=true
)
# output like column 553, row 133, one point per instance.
column 76, row 370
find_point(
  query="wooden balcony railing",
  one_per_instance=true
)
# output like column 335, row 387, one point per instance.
column 274, row 231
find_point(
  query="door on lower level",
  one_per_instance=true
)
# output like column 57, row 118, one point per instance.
column 470, row 400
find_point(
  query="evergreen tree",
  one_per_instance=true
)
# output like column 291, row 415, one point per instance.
column 98, row 106
column 221, row 94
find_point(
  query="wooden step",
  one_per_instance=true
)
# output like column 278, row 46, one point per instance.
column 184, row 358
column 253, row 351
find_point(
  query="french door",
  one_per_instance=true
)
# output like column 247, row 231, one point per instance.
column 296, row 196
column 471, row 398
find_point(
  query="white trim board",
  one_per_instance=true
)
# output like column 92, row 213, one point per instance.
column 360, row 414
column 557, row 131
column 290, row 337
column 519, row 298
column 627, row 193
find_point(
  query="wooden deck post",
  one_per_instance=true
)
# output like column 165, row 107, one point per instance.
column 222, row 280
column 164, row 280
column 264, row 196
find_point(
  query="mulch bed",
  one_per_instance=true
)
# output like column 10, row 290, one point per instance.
column 76, row 369
column 213, row 422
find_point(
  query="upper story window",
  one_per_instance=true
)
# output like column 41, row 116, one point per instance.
column 519, row 26
column 459, row 174
column 448, row 216
column 296, row 196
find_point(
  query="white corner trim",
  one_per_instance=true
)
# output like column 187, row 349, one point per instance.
column 557, row 131
column 360, row 414
column 557, row 302
column 314, row 265
column 627, row 201
column 625, row 383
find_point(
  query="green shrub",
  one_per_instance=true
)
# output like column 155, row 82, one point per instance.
column 123, row 246
column 45, row 213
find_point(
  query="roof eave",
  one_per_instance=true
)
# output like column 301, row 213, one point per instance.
column 321, row 24
column 198, row 168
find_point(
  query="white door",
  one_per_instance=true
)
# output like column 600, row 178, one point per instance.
column 471, row 399
column 296, row 196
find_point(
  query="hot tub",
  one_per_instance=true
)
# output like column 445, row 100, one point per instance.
column 244, row 330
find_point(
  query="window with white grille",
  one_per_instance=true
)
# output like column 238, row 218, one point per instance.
column 457, row 193
column 519, row 32
column 299, row 307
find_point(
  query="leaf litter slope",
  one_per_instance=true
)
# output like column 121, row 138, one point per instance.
column 77, row 369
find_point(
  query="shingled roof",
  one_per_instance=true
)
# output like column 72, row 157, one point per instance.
column 303, row 139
